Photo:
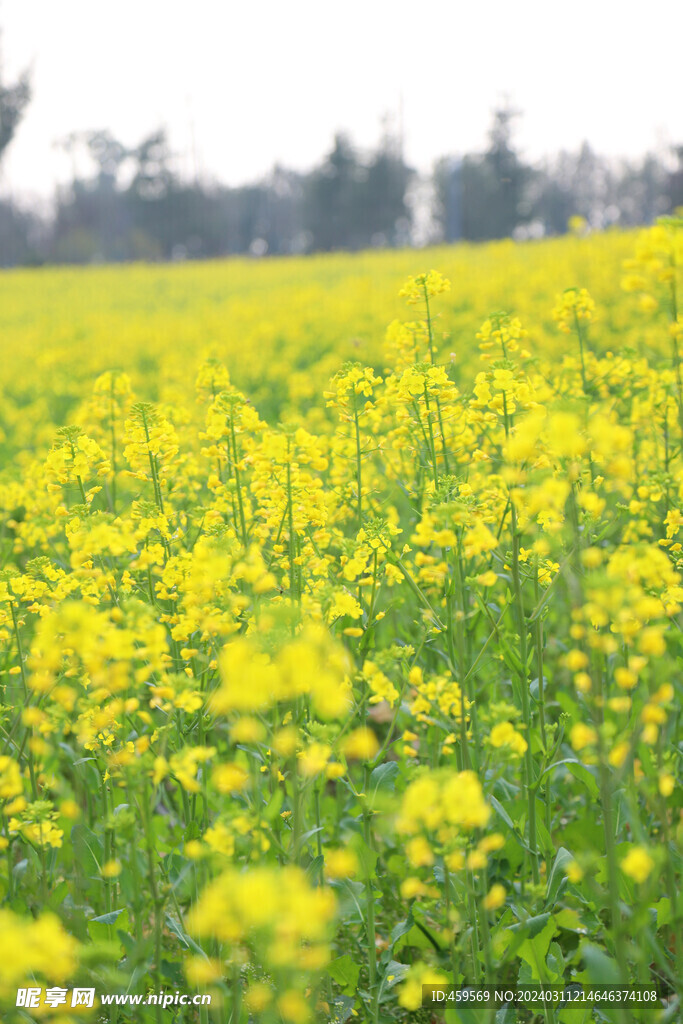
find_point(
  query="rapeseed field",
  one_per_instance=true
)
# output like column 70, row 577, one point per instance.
column 341, row 614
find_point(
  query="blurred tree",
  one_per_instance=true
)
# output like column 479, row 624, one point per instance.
column 483, row 195
column 118, row 212
column 21, row 236
column 91, row 221
column 601, row 190
column 349, row 203
column 639, row 191
column 18, row 230
column 153, row 177
column 107, row 153
column 447, row 183
column 13, row 102
column 551, row 193
column 506, row 178
column 591, row 185
column 329, row 208
column 285, row 228
column 383, row 209
column 267, row 217
column 675, row 182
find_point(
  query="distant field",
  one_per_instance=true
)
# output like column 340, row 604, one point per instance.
column 281, row 326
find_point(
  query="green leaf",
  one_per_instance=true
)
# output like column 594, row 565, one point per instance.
column 569, row 919
column 580, row 772
column 558, row 764
column 601, row 969
column 315, row 868
column 535, row 949
column 498, row 807
column 663, row 909
column 383, row 777
column 20, row 868
column 532, row 925
column 173, row 970
column 345, row 972
column 545, row 838
column 342, row 1008
column 105, row 927
column 557, row 882
column 110, row 918
column 575, row 1015
column 87, row 849
column 274, row 806
column 402, row 928
column 396, row 865
column 58, row 894
column 186, row 939
column 367, row 858
column 351, row 895
column 524, row 974
column 309, row 833
column 415, row 938
column 192, row 831
column 506, row 1015
column 555, row 961
column 395, row 973
column 101, row 951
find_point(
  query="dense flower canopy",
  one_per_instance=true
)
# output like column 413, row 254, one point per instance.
column 318, row 693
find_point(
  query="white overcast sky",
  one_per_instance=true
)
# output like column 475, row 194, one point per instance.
column 240, row 85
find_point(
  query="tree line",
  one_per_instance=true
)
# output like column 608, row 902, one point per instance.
column 133, row 205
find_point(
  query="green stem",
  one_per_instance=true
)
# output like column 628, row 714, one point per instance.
column 456, row 615
column 676, row 351
column 359, row 486
column 112, row 428
column 606, row 795
column 430, row 337
column 579, row 332
column 238, row 485
column 524, row 688
column 449, row 923
column 432, row 446
column 371, row 609
column 153, row 467
column 474, row 941
column 488, row 975
column 290, row 516
column 236, row 994
column 157, row 900
column 369, row 897
column 538, row 631
column 20, row 653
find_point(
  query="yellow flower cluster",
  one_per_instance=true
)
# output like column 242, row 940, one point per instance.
column 450, row 799
column 422, row 286
column 283, row 921
column 30, row 947
column 312, row 664
column 573, row 306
